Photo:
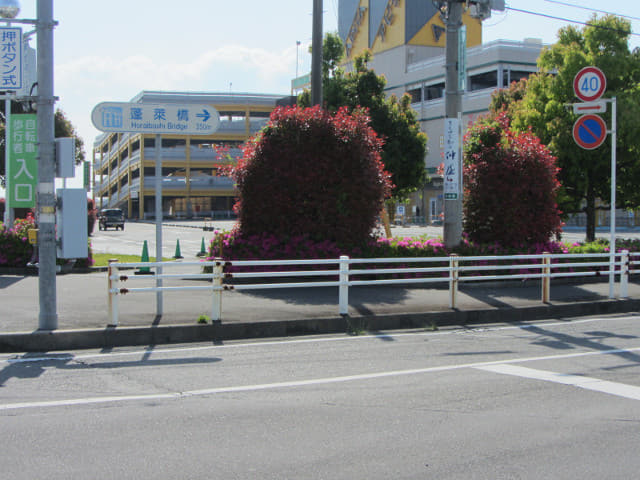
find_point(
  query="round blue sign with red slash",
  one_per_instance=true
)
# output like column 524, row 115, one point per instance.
column 589, row 131
column 589, row 84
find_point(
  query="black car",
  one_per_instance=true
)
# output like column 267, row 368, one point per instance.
column 111, row 217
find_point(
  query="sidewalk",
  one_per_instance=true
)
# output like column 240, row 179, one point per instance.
column 82, row 307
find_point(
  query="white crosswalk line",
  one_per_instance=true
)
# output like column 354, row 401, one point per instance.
column 588, row 383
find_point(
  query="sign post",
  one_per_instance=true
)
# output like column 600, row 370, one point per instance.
column 590, row 131
column 188, row 119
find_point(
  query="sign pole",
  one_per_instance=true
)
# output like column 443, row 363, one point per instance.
column 589, row 132
column 612, row 228
column 8, row 212
column 158, row 207
column 157, row 119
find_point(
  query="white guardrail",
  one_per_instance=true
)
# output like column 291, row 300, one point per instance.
column 454, row 269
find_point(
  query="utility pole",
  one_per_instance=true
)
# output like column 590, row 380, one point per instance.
column 46, row 201
column 453, row 106
column 316, row 54
column 453, row 164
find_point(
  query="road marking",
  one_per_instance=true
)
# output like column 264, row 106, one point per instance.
column 297, row 383
column 324, row 339
column 588, row 383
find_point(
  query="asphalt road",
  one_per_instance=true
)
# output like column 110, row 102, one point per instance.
column 190, row 235
column 557, row 399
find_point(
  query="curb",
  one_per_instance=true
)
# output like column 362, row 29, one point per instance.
column 42, row 341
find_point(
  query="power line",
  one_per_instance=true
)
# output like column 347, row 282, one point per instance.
column 592, row 9
column 570, row 21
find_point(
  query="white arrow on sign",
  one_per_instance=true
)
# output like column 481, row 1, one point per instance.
column 188, row 119
column 599, row 106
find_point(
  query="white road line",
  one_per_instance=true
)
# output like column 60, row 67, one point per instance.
column 324, row 339
column 297, row 383
column 588, row 383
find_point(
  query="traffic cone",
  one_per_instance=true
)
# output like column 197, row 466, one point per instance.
column 144, row 258
column 177, row 254
column 202, row 251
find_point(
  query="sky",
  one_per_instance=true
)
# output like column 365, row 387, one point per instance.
column 110, row 50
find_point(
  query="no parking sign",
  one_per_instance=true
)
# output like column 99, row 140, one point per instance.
column 589, row 131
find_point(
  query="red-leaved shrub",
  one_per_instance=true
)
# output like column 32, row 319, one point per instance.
column 312, row 174
column 510, row 182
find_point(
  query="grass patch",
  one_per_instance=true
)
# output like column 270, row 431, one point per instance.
column 102, row 259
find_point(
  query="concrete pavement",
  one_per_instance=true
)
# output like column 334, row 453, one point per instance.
column 83, row 322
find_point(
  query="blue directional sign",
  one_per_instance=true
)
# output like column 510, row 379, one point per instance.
column 187, row 119
column 589, row 131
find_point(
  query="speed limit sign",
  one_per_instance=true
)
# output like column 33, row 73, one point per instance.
column 589, row 84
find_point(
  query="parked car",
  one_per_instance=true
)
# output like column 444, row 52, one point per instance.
column 111, row 217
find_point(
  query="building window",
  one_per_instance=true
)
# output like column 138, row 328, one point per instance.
column 259, row 114
column 484, row 80
column 510, row 76
column 173, row 142
column 415, row 95
column 232, row 116
column 431, row 92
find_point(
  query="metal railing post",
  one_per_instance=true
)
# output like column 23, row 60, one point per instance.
column 546, row 279
column 343, row 295
column 453, row 280
column 624, row 274
column 112, row 284
column 216, row 308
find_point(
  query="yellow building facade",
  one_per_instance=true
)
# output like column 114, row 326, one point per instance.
column 381, row 25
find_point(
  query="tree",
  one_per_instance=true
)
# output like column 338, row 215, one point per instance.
column 310, row 173
column 506, row 100
column 585, row 175
column 62, row 128
column 510, row 181
column 404, row 150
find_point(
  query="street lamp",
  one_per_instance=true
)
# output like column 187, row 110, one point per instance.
column 9, row 8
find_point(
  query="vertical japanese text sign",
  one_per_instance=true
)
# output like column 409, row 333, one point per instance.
column 22, row 174
column 10, row 58
column 451, row 159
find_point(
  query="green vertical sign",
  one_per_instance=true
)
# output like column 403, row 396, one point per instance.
column 22, row 173
column 86, row 176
